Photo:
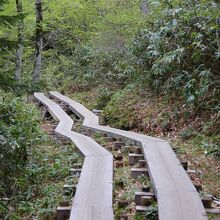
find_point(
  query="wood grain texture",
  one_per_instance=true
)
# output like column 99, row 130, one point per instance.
column 177, row 197
column 93, row 198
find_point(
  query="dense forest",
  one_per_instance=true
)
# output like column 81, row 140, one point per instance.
column 152, row 66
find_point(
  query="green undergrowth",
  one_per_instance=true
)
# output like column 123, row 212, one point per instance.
column 150, row 214
column 33, row 166
column 42, row 182
column 202, row 152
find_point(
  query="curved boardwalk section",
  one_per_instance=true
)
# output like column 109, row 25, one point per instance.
column 93, row 198
column 177, row 197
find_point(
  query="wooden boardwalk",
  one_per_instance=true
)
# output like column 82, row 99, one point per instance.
column 93, row 198
column 177, row 197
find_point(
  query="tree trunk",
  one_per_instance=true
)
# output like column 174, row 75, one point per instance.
column 218, row 33
column 144, row 7
column 39, row 42
column 19, row 52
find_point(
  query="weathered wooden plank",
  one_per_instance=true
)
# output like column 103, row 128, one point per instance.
column 91, row 121
column 92, row 212
column 176, row 196
column 99, row 172
column 93, row 197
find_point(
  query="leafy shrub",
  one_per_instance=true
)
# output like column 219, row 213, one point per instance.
column 178, row 52
column 93, row 66
column 212, row 149
column 150, row 214
column 104, row 96
column 119, row 110
column 19, row 130
column 186, row 133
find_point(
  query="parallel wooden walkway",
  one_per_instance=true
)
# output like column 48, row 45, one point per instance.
column 177, row 197
column 93, row 198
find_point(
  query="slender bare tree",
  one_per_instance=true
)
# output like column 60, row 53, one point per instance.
column 19, row 52
column 39, row 42
column 218, row 33
column 144, row 7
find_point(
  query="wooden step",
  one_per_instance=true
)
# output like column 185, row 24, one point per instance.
column 118, row 145
column 63, row 212
column 214, row 211
column 207, row 201
column 136, row 172
column 75, row 171
column 141, row 209
column 138, row 196
column 133, row 158
column 146, row 200
column 69, row 189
